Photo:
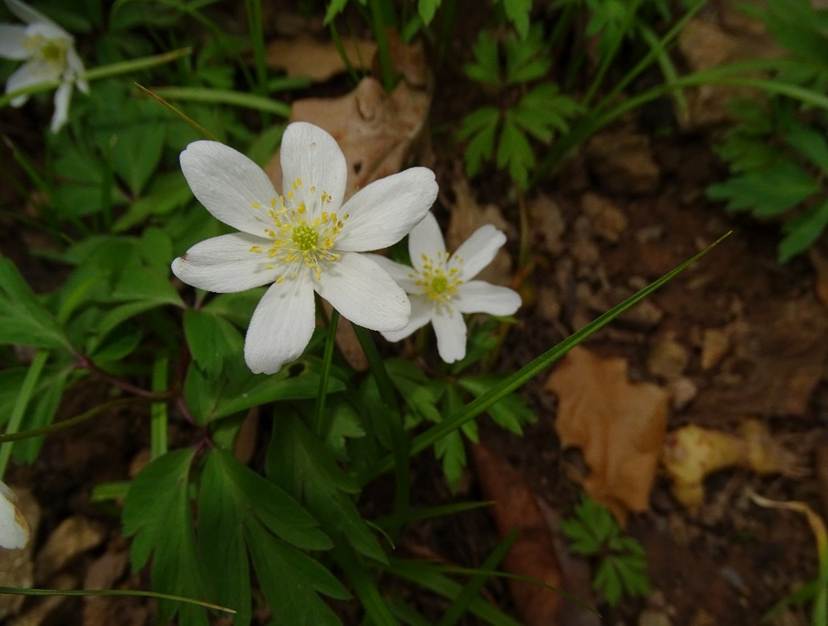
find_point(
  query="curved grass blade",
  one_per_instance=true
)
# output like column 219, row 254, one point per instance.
column 224, row 96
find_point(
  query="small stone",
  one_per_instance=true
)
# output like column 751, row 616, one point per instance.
column 73, row 536
column 585, row 252
column 548, row 304
column 623, row 162
column 652, row 617
column 668, row 359
column 649, row 233
column 608, row 221
column 715, row 344
column 549, row 225
column 683, row 391
column 645, row 315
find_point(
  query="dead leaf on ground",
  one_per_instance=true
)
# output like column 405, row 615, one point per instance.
column 467, row 215
column 618, row 425
column 692, row 453
column 533, row 553
column 775, row 361
column 319, row 60
column 73, row 536
column 16, row 566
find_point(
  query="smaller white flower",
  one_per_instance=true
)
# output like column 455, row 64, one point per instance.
column 14, row 530
column 441, row 288
column 49, row 55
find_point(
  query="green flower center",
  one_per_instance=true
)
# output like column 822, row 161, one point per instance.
column 437, row 281
column 305, row 237
column 439, row 284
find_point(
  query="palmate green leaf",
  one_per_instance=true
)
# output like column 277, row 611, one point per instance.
column 511, row 412
column 235, row 307
column 517, row 12
column 426, row 9
column 345, row 424
column 803, row 231
column 211, row 340
column 166, row 193
column 514, row 152
column 766, row 193
column 146, row 284
column 157, row 515
column 480, row 129
column 420, row 394
column 527, row 59
column 301, row 463
column 809, row 142
column 23, row 319
column 230, row 497
column 611, row 21
column 486, row 66
column 544, row 110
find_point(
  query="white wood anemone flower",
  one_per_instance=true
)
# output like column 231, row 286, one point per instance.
column 441, row 287
column 304, row 241
column 49, row 55
column 14, row 530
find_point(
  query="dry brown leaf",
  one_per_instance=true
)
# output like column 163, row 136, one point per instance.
column 533, row 553
column 16, row 566
column 73, row 536
column 692, row 453
column 318, row 60
column 618, row 425
column 466, row 217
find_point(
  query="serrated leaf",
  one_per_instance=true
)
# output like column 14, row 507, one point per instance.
column 809, row 142
column 514, row 152
column 486, row 66
column 608, row 582
column 527, row 59
column 157, row 515
column 166, row 192
column 803, row 231
column 345, row 424
column 211, row 340
column 510, row 413
column 451, row 452
column 335, row 7
column 480, row 128
column 517, row 12
column 426, row 9
column 544, row 110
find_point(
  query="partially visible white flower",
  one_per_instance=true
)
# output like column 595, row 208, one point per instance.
column 441, row 287
column 302, row 242
column 14, row 530
column 49, row 52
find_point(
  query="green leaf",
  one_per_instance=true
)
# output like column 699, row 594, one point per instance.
column 42, row 411
column 608, row 582
column 515, row 152
column 157, row 515
column 211, row 340
column 803, row 231
column 808, row 141
column 335, row 7
column 510, row 412
column 147, row 285
column 136, row 146
column 480, row 128
column 517, row 11
column 544, row 110
column 23, row 319
column 426, row 9
column 236, row 307
column 420, row 394
column 299, row 462
column 345, row 424
column 768, row 192
column 527, row 59
column 166, row 192
column 486, row 66
column 452, row 453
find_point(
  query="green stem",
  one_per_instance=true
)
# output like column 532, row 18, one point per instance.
column 399, row 441
column 327, row 359
column 158, row 410
column 538, row 365
column 223, row 96
column 20, row 404
column 383, row 47
column 343, row 54
column 104, row 71
column 112, row 593
column 254, row 19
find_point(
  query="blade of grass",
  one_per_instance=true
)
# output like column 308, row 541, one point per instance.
column 327, row 358
column 254, row 20
column 366, row 589
column 539, row 364
column 24, row 396
column 113, row 593
column 416, row 515
column 224, row 96
column 176, row 111
column 158, row 410
column 343, row 54
column 383, row 47
column 472, row 588
column 668, row 70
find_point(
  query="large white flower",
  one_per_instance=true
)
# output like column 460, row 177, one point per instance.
column 49, row 52
column 441, row 286
column 303, row 241
column 14, row 530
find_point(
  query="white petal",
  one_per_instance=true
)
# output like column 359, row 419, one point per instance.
column 402, row 274
column 12, row 37
column 14, row 530
column 225, row 264
column 311, row 155
column 29, row 15
column 281, row 326
column 477, row 251
column 451, row 335
column 49, row 31
column 386, row 210
column 478, row 296
column 63, row 95
column 364, row 293
column 425, row 239
column 421, row 311
column 32, row 72
column 229, row 185
column 76, row 69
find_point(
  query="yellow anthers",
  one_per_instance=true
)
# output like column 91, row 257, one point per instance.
column 256, row 249
column 256, row 205
column 438, row 282
column 273, row 203
column 301, row 208
column 297, row 184
column 326, row 197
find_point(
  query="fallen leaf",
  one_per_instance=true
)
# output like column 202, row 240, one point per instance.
column 16, row 566
column 692, row 453
column 467, row 215
column 618, row 425
column 533, row 553
column 73, row 536
column 318, row 60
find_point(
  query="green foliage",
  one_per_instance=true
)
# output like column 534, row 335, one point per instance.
column 777, row 161
column 541, row 112
column 622, row 565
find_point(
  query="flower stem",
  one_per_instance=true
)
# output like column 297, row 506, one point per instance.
column 383, row 47
column 158, row 410
column 327, row 357
column 20, row 404
column 104, row 71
